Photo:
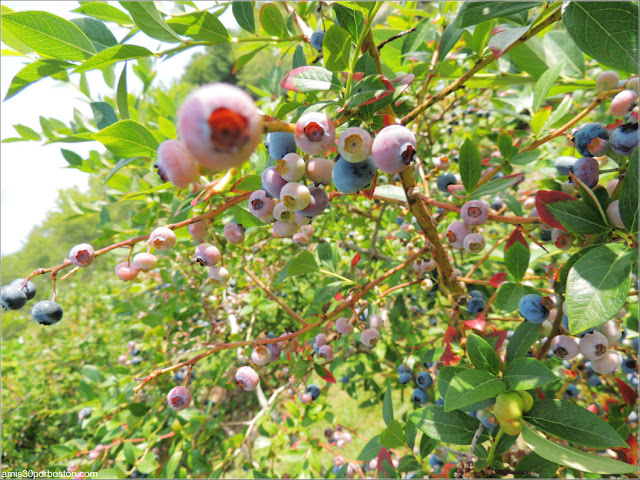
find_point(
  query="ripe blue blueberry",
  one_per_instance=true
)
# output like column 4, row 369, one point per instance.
column 565, row 164
column 496, row 203
column 444, row 181
column 352, row 177
column 316, row 40
column 477, row 294
column 419, row 396
column 137, row 360
column 344, row 379
column 29, row 289
column 629, row 365
column 404, row 369
column 47, row 312
column 476, row 305
column 587, row 170
column 624, row 139
column 12, row 297
column 404, row 378
column 583, row 138
column 424, row 380
column 279, row 144
column 532, row 309
column 318, row 203
column 313, row 390
column 571, row 391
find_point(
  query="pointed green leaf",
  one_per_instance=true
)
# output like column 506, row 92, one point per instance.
column 272, row 21
column 544, row 84
column 113, row 55
column 128, row 139
column 96, row 31
column 201, row 26
column 628, row 202
column 451, row 427
column 482, row 355
column 470, row 164
column 525, row 373
column 578, row 217
column 35, row 71
column 351, row 20
column 336, row 47
column 387, row 407
column 393, row 435
column 150, row 21
column 472, row 386
column 104, row 11
column 523, row 338
column 243, row 13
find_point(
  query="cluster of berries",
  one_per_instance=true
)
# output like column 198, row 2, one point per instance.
column 136, row 359
column 18, row 293
column 509, row 408
column 473, row 213
column 423, row 381
column 369, row 336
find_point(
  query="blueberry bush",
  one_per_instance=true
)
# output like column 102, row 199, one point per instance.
column 407, row 248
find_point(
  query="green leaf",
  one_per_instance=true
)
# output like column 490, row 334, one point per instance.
column 496, row 185
column 444, row 377
column 104, row 11
column 49, row 34
column 560, row 286
column 597, row 286
column 559, row 47
column 451, row 427
column 539, row 120
column 73, row 158
column 578, row 217
column 307, row 79
column 523, row 338
column 470, row 164
column 524, row 158
column 525, row 373
column 516, row 255
column 387, row 407
column 246, row 58
column 122, row 97
column 472, row 386
column 113, row 55
column 505, row 144
column 393, row 435
column 248, row 183
column 370, row 88
column 243, row 13
column 482, row 355
column 303, row 263
column 535, row 463
column 130, row 452
column 544, row 84
column 472, row 13
column 501, row 41
column 26, row 132
column 96, row 31
column 299, row 58
column 103, row 114
column 573, row 423
column 350, row 20
column 173, row 463
column 370, row 450
column 33, row 72
column 560, row 111
column 336, row 47
column 391, row 191
column 509, row 294
column 449, row 38
column 148, row 464
column 201, row 26
column 272, row 21
column 150, row 21
column 128, row 139
column 606, row 31
column 628, row 202
column 572, row 457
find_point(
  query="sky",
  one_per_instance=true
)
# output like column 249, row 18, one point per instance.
column 30, row 172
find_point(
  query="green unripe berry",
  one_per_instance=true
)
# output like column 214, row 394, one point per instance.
column 527, row 400
column 511, row 427
column 508, row 406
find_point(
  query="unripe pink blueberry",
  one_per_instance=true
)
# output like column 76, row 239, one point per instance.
column 429, row 265
column 261, row 205
column 475, row 212
column 219, row 275
column 131, row 344
column 319, row 170
column 122, row 359
column 355, row 144
column 261, row 355
column 291, row 167
column 622, row 103
column 308, row 230
column 300, row 239
column 442, row 163
column 613, row 214
column 370, row 337
column 529, row 203
column 607, row 363
column 295, row 196
column 305, row 398
column 272, row 182
column 247, row 378
column 198, row 230
column 474, row 243
column 126, row 271
column 301, row 220
column 393, row 148
column 220, row 125
column 607, row 80
column 321, row 339
column 343, row 326
column 376, row 321
column 176, row 165
column 207, row 255
column 610, row 330
column 284, row 229
column 611, row 186
column 291, row 345
column 162, row 238
column 565, row 347
column 179, row 398
column 234, row 233
column 338, row 461
column 346, row 436
column 93, row 455
column 594, row 345
column 274, row 351
column 632, row 84
column 562, row 240
column 282, row 213
column 456, row 233
column 315, row 133
column 145, row 261
column 82, row 255
column 326, row 352
column 340, row 443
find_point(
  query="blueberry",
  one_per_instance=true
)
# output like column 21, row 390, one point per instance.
column 474, row 212
column 595, row 381
column 13, row 298
column 624, row 139
column 419, row 396
column 444, row 181
column 404, row 378
column 545, row 235
column 135, row 351
column 314, row 391
column 565, row 164
column 84, row 413
column 424, row 380
column 29, row 289
column 434, row 461
column 47, row 312
column 476, row 305
column 137, row 360
column 496, row 203
column 440, row 401
column 399, row 220
column 587, row 170
column 629, row 365
column 175, row 164
column 564, row 347
column 571, row 391
column 279, row 144
column 393, row 148
column 352, row 177
column 316, row 40
column 477, row 294
column 404, row 369
column 318, row 203
column 179, row 398
column 532, row 309
column 344, row 379
column 315, row 133
column 587, row 134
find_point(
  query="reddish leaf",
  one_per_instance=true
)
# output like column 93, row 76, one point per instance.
column 383, row 455
column 516, row 236
column 450, row 334
column 628, row 394
column 338, row 296
column 593, row 408
column 540, row 394
column 354, row 261
column 369, row 193
column 478, row 323
column 485, row 162
column 498, row 279
column 328, row 376
column 631, row 454
column 402, row 82
column 545, row 197
column 505, row 37
column 447, row 468
column 388, row 120
column 614, row 125
column 448, row 356
column 357, row 76
column 502, row 336
column 309, row 79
